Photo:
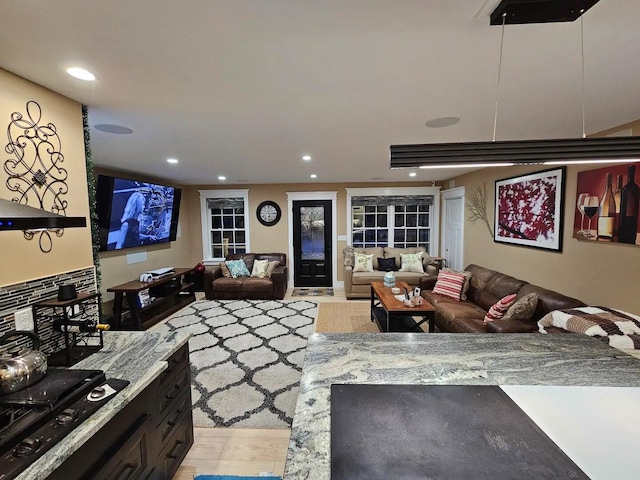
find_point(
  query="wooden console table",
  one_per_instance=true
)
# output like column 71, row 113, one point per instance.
column 143, row 317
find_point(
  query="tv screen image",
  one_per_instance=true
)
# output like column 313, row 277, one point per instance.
column 132, row 213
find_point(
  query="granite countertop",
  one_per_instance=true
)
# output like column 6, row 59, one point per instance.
column 456, row 359
column 138, row 357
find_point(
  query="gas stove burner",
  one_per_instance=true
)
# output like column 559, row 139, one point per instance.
column 34, row 419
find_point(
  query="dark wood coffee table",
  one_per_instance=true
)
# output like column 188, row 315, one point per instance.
column 387, row 311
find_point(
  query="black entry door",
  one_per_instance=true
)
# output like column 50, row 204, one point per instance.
column 312, row 243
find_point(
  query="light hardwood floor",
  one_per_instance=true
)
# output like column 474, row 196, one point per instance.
column 235, row 451
column 241, row 451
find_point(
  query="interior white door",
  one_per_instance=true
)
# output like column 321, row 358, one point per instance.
column 454, row 233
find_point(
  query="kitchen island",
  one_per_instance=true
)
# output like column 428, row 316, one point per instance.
column 441, row 359
column 141, row 358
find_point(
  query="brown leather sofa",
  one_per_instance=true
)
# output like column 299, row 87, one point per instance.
column 219, row 287
column 486, row 287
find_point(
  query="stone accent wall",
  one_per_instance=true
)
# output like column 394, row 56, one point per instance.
column 23, row 295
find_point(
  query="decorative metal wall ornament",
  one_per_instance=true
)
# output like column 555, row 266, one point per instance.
column 35, row 171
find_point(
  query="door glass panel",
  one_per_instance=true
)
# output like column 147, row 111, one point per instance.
column 312, row 226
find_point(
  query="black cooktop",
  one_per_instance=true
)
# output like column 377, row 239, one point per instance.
column 34, row 419
column 54, row 387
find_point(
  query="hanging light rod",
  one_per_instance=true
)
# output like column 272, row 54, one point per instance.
column 515, row 152
column 539, row 11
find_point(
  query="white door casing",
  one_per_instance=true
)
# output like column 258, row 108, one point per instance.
column 453, row 227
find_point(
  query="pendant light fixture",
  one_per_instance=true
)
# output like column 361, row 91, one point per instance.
column 523, row 152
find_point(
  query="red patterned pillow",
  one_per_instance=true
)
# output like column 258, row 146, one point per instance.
column 498, row 309
column 449, row 284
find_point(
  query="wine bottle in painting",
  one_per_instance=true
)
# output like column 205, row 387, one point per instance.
column 629, row 199
column 607, row 212
column 616, row 197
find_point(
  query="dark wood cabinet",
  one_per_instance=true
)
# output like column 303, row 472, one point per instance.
column 146, row 440
column 131, row 460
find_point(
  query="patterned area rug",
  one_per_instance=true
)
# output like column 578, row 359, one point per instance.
column 246, row 359
column 312, row 292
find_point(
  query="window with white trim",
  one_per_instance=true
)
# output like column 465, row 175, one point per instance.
column 225, row 223
column 394, row 217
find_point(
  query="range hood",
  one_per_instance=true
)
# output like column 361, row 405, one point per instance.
column 14, row 216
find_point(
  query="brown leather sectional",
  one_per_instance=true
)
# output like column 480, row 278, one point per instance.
column 486, row 287
column 219, row 287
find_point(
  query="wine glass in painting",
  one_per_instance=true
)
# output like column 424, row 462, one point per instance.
column 581, row 202
column 590, row 210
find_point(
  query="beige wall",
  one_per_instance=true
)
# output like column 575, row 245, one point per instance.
column 114, row 265
column 21, row 259
column 597, row 273
column 276, row 239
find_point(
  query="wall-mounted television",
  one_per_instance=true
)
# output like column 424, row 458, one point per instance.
column 133, row 213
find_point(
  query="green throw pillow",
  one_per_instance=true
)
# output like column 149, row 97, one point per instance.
column 237, row 268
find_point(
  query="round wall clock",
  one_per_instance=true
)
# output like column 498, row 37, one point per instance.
column 268, row 213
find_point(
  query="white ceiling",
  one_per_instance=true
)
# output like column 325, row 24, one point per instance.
column 244, row 88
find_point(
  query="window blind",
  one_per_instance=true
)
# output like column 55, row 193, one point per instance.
column 404, row 200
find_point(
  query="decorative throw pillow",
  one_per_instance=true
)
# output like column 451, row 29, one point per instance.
column 260, row 268
column 467, row 279
column 238, row 268
column 272, row 266
column 387, row 264
column 225, row 270
column 523, row 309
column 348, row 256
column 498, row 309
column 449, row 284
column 362, row 262
column 411, row 262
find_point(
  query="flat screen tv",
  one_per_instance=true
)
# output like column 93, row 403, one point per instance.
column 133, row 213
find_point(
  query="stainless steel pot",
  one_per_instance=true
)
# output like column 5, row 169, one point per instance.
column 23, row 369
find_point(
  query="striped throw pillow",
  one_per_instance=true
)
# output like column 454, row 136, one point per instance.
column 449, row 284
column 498, row 309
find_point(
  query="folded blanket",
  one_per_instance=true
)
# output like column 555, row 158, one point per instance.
column 618, row 329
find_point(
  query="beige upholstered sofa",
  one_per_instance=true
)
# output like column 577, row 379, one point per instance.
column 358, row 284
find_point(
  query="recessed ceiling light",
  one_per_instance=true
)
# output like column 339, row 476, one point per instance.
column 412, row 174
column 113, row 128
column 306, row 158
column 222, row 177
column 172, row 160
column 442, row 122
column 313, row 175
column 81, row 74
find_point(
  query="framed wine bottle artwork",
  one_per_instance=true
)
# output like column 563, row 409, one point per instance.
column 606, row 205
column 529, row 209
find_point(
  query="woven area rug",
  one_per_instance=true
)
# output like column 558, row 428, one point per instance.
column 312, row 292
column 353, row 316
column 246, row 359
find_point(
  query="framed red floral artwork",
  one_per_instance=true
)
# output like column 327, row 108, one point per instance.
column 529, row 209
